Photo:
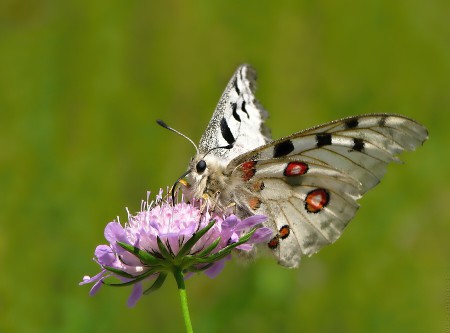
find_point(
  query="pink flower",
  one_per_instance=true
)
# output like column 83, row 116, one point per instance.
column 163, row 237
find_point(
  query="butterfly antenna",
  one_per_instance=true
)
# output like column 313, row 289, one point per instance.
column 221, row 147
column 163, row 124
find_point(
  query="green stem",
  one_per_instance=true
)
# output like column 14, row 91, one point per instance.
column 178, row 274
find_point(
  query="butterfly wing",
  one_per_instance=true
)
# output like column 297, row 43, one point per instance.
column 238, row 119
column 308, row 183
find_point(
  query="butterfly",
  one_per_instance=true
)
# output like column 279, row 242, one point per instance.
column 307, row 183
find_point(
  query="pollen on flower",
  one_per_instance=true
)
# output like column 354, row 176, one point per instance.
column 164, row 236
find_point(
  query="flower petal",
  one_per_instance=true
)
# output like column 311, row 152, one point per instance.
column 189, row 230
column 135, row 295
column 215, row 269
column 245, row 247
column 230, row 222
column 88, row 279
column 105, row 255
column 114, row 232
column 250, row 222
column 234, row 238
column 96, row 287
column 261, row 235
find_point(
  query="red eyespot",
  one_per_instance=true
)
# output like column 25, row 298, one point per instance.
column 284, row 231
column 254, row 203
column 248, row 170
column 295, row 169
column 316, row 200
column 274, row 242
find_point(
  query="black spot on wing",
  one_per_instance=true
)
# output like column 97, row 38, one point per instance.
column 351, row 123
column 358, row 144
column 323, row 139
column 236, row 86
column 235, row 114
column 226, row 132
column 283, row 148
column 243, row 109
column 382, row 121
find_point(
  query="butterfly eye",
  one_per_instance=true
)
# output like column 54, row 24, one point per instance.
column 201, row 166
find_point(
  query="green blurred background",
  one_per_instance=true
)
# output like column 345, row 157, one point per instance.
column 81, row 84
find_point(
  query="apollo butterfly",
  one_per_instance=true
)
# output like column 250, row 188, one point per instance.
column 308, row 183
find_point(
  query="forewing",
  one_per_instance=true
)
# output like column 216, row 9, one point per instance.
column 360, row 146
column 238, row 119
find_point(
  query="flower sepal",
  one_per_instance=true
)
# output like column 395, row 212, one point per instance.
column 119, row 272
column 194, row 269
column 227, row 250
column 187, row 247
column 209, row 249
column 157, row 284
column 144, row 256
column 133, row 280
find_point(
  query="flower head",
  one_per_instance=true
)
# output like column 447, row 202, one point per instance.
column 164, row 237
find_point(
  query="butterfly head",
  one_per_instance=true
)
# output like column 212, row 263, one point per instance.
column 206, row 172
column 206, row 175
